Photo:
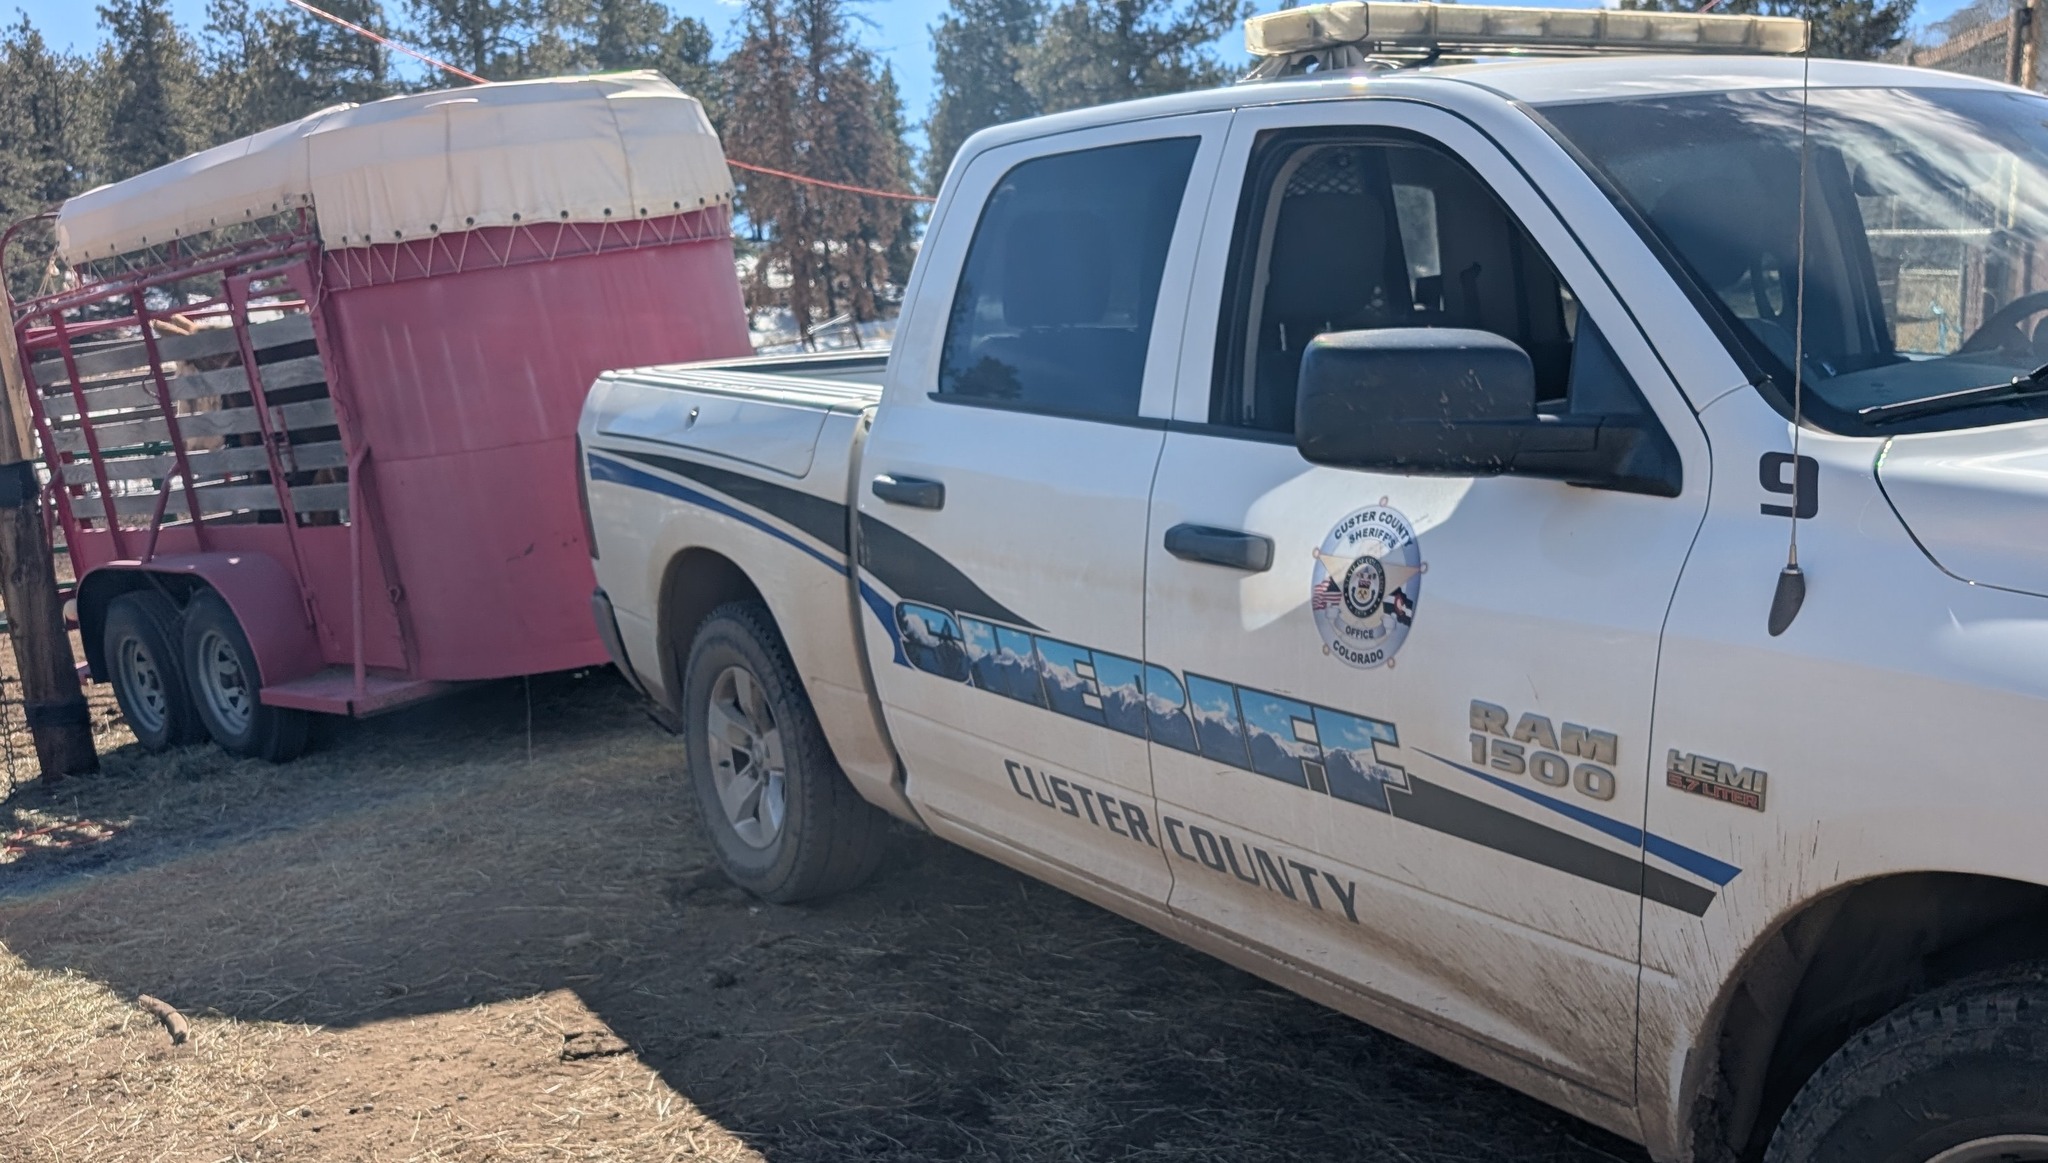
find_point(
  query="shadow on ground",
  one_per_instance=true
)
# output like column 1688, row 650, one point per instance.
column 525, row 839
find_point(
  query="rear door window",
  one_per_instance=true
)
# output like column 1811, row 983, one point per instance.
column 1054, row 309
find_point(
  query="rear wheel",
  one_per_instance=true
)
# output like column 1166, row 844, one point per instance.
column 1957, row 1076
column 226, row 688
column 140, row 642
column 783, row 820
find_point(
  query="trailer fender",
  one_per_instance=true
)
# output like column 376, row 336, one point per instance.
column 257, row 588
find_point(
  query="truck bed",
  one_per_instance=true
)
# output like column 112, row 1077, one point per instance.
column 749, row 461
column 767, row 411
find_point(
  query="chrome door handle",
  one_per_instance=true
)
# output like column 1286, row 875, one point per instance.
column 916, row 492
column 1226, row 547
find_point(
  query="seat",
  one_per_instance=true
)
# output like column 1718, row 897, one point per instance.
column 1064, row 352
column 1327, row 272
column 1719, row 232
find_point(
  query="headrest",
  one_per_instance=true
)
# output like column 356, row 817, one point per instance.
column 1720, row 230
column 1053, row 274
column 1328, row 256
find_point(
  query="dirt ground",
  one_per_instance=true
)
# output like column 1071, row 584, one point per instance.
column 486, row 929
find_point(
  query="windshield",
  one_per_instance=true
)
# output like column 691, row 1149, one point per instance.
column 1926, row 212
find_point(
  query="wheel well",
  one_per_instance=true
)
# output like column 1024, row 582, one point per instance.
column 698, row 581
column 1836, row 966
column 97, row 591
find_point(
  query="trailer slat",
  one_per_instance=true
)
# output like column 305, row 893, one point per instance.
column 214, row 462
column 226, row 422
column 232, row 499
column 214, row 341
column 291, row 373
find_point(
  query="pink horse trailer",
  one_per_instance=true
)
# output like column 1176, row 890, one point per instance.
column 307, row 401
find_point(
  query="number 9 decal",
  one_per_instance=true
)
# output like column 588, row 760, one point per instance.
column 1804, row 486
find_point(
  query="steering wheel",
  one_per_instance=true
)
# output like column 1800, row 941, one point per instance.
column 2002, row 328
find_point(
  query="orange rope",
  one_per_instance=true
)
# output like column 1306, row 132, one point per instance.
column 829, row 185
column 468, row 76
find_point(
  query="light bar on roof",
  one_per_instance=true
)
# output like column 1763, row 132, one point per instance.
column 1404, row 27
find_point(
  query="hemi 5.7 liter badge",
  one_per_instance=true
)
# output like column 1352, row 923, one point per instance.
column 1715, row 779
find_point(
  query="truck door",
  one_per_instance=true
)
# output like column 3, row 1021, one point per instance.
column 1003, row 495
column 1401, row 730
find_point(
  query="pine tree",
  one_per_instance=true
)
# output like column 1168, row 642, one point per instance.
column 490, row 38
column 38, row 124
column 763, row 107
column 583, row 36
column 805, row 99
column 626, row 34
column 150, row 74
column 1091, row 52
column 340, row 65
column 1849, row 29
column 266, row 66
column 977, row 55
column 45, row 148
column 253, row 74
column 900, row 254
column 688, row 58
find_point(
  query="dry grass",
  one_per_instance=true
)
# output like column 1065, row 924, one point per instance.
column 430, row 940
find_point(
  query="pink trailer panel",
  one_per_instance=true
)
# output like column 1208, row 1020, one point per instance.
column 463, row 384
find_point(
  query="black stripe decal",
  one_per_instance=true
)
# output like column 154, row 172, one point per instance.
column 1443, row 810
column 908, row 566
column 822, row 519
column 898, row 560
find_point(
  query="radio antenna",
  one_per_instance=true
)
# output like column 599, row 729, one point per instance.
column 1791, row 591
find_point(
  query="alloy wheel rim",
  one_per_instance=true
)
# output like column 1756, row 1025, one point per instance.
column 150, row 702
column 224, row 683
column 747, row 767
column 1997, row 1149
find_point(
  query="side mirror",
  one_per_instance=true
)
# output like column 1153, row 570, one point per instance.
column 1438, row 401
column 1442, row 401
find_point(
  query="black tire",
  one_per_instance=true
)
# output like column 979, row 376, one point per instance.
column 220, row 670
column 140, row 642
column 826, row 838
column 1959, row 1074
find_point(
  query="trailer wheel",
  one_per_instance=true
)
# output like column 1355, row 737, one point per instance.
column 1956, row 1076
column 785, row 823
column 140, row 641
column 226, row 689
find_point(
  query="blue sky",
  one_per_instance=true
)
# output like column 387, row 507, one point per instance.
column 899, row 30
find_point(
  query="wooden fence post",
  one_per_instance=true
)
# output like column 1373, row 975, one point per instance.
column 2030, row 48
column 2019, row 45
column 54, row 703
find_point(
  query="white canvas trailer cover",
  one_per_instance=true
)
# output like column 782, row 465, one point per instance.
column 577, row 149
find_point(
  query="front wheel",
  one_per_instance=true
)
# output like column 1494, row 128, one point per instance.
column 1957, row 1076
column 785, row 823
column 227, row 689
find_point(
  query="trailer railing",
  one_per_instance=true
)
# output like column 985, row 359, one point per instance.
column 186, row 392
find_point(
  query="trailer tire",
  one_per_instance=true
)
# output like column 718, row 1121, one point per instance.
column 142, row 646
column 227, row 689
column 790, row 835
column 1956, row 1075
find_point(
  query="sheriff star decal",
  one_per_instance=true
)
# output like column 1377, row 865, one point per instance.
column 1366, row 584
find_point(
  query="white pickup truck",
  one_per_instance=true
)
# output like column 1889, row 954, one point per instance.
column 1342, row 522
